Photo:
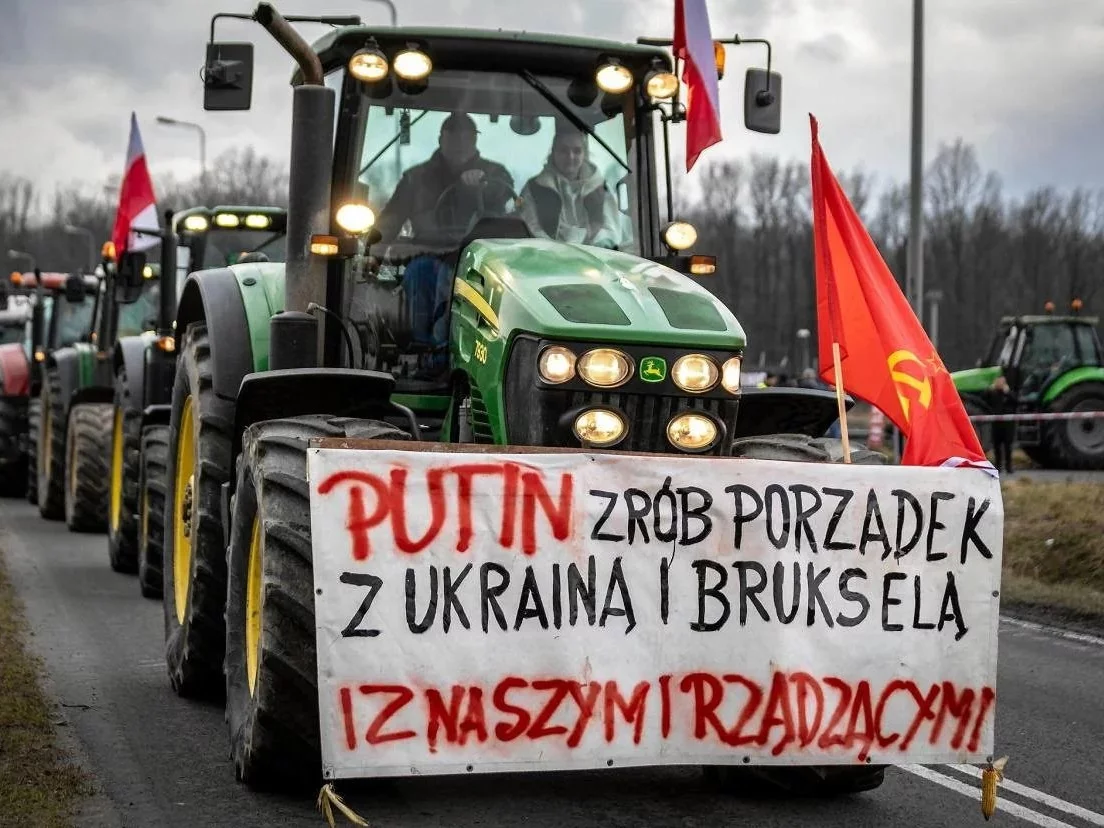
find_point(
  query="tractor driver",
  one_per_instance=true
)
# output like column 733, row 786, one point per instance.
column 438, row 198
column 443, row 190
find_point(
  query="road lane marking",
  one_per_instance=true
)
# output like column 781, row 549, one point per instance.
column 1081, row 638
column 1051, row 801
column 1003, row 803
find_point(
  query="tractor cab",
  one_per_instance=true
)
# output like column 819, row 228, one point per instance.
column 226, row 235
column 1032, row 351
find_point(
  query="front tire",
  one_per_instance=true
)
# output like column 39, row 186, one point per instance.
column 803, row 780
column 1077, row 444
column 271, row 668
column 122, row 537
column 87, row 465
column 151, row 510
column 13, row 477
column 194, row 566
column 34, row 423
column 51, row 450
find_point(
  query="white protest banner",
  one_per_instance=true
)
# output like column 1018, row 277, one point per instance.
column 538, row 611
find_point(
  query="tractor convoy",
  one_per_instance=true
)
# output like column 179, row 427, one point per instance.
column 179, row 399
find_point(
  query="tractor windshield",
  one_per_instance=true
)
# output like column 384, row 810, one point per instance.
column 477, row 144
column 11, row 330
column 225, row 247
column 140, row 315
column 71, row 321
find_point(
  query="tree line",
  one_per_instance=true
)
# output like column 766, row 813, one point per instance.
column 985, row 253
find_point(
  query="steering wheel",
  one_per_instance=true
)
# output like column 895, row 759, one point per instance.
column 454, row 212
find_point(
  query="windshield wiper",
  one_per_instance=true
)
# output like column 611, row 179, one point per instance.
column 566, row 111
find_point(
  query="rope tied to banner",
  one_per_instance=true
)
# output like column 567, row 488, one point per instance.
column 328, row 799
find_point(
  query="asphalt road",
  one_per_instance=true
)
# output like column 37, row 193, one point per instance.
column 162, row 761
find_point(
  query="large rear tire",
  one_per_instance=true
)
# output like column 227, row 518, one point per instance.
column 151, row 510
column 804, row 780
column 87, row 462
column 194, row 566
column 34, row 423
column 1077, row 444
column 122, row 535
column 51, row 450
column 271, row 669
column 13, row 477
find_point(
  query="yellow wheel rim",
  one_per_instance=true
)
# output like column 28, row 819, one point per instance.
column 253, row 607
column 184, row 510
column 117, row 471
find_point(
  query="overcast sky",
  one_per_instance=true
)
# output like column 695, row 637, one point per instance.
column 1023, row 80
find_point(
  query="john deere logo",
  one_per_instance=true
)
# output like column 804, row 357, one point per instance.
column 653, row 369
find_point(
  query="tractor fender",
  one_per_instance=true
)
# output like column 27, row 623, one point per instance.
column 160, row 371
column 1086, row 373
column 214, row 297
column 130, row 353
column 66, row 363
column 15, row 371
column 785, row 410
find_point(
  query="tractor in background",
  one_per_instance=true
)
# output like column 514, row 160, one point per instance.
column 74, row 448
column 144, row 368
column 1054, row 365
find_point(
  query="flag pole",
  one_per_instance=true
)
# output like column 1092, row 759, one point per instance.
column 838, row 370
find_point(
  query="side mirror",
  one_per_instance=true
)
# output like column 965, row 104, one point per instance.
column 74, row 289
column 129, row 277
column 228, row 77
column 763, row 101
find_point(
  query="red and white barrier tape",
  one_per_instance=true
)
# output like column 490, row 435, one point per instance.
column 1011, row 418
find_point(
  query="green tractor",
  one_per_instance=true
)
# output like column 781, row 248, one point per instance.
column 1054, row 365
column 74, row 448
column 449, row 319
column 52, row 313
column 145, row 365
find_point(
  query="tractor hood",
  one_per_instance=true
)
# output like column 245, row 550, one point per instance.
column 974, row 380
column 572, row 291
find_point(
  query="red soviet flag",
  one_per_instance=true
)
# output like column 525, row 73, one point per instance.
column 693, row 44
column 886, row 357
column 137, row 205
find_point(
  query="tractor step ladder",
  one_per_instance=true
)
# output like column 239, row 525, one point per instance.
column 1028, row 432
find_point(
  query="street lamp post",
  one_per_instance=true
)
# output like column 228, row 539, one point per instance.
column 20, row 254
column 935, row 297
column 803, row 334
column 915, row 271
column 73, row 230
column 161, row 119
column 391, row 6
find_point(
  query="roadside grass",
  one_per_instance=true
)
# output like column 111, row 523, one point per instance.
column 38, row 785
column 1054, row 547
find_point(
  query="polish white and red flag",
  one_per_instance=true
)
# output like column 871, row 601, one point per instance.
column 693, row 44
column 137, row 204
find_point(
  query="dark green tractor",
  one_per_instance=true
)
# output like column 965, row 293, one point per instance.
column 74, row 441
column 456, row 321
column 145, row 365
column 1054, row 365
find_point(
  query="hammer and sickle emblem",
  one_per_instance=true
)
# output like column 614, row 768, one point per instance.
column 922, row 386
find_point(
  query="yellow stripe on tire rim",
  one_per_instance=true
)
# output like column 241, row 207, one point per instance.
column 117, row 471
column 253, row 599
column 184, row 510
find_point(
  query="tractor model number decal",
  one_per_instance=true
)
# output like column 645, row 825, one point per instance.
column 481, row 352
column 653, row 369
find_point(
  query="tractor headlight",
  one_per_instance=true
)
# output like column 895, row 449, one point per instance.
column 605, row 367
column 661, row 85
column 195, row 224
column 695, row 373
column 692, row 432
column 556, row 364
column 412, row 65
column 255, row 221
column 355, row 218
column 730, row 375
column 227, row 220
column 680, row 235
column 368, row 65
column 600, row 427
column 613, row 77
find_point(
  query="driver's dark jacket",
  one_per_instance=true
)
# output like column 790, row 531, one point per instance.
column 421, row 186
